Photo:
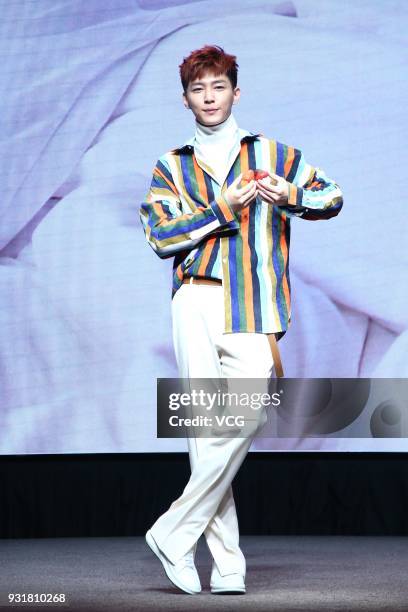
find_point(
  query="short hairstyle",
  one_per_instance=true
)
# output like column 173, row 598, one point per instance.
column 210, row 58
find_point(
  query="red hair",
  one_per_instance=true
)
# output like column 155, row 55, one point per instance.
column 210, row 58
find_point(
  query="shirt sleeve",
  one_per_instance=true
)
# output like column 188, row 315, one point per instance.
column 167, row 229
column 312, row 194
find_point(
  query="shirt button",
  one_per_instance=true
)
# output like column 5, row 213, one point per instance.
column 224, row 259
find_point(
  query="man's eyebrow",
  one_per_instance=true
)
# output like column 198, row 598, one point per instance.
column 202, row 82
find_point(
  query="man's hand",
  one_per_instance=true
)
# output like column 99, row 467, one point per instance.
column 275, row 194
column 237, row 197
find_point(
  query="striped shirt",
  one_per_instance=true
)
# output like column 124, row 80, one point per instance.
column 186, row 216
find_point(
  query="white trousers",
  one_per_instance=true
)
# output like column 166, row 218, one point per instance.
column 207, row 503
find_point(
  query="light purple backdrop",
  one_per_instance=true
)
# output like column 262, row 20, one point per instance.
column 93, row 98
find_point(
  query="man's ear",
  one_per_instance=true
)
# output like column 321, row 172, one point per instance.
column 237, row 95
column 185, row 102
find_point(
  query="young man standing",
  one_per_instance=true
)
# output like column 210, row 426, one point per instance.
column 231, row 291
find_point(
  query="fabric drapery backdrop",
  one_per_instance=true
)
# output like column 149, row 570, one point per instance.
column 93, row 98
column 122, row 494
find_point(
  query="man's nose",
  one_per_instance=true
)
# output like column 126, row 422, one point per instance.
column 209, row 96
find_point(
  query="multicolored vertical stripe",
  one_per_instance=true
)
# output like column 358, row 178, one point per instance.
column 186, row 216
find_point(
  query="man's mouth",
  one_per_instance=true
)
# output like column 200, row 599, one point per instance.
column 210, row 111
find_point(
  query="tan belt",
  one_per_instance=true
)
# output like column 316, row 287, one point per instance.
column 276, row 355
column 271, row 337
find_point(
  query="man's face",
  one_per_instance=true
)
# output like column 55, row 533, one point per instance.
column 211, row 98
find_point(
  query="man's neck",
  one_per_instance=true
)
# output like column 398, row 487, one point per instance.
column 214, row 134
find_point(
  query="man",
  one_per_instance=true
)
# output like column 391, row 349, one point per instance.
column 231, row 291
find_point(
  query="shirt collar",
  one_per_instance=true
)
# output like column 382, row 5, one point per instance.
column 188, row 146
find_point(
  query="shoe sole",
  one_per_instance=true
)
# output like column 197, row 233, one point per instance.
column 173, row 579
column 230, row 590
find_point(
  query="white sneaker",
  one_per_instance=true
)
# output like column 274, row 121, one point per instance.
column 231, row 583
column 183, row 574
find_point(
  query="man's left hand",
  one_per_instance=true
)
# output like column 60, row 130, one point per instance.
column 276, row 195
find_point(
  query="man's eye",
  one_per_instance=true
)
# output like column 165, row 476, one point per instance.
column 219, row 87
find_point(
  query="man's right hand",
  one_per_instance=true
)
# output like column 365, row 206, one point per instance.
column 238, row 197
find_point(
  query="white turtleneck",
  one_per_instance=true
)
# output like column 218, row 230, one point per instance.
column 218, row 145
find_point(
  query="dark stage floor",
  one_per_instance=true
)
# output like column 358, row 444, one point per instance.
column 283, row 573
